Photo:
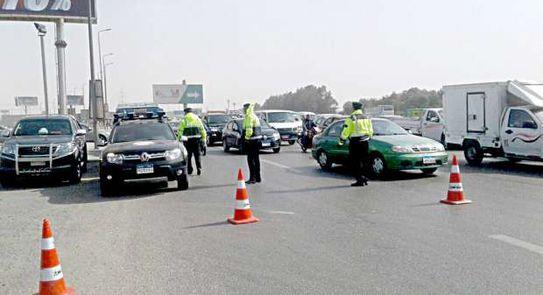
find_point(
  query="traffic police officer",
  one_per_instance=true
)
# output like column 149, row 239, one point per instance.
column 252, row 135
column 359, row 130
column 193, row 130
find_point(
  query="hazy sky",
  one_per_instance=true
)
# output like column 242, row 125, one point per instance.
column 245, row 50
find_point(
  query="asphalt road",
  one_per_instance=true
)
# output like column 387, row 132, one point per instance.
column 317, row 235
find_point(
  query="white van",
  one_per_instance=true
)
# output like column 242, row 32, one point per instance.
column 288, row 123
column 499, row 119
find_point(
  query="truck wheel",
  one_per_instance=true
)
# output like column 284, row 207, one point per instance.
column 473, row 154
column 182, row 182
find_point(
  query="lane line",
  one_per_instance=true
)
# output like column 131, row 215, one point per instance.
column 281, row 212
column 519, row 243
column 278, row 165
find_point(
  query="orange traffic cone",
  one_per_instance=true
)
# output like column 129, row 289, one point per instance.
column 242, row 213
column 51, row 276
column 455, row 195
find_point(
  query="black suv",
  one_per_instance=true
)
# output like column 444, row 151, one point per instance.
column 52, row 146
column 142, row 150
column 215, row 123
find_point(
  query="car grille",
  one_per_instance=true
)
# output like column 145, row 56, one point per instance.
column 424, row 149
column 34, row 151
column 138, row 157
column 285, row 129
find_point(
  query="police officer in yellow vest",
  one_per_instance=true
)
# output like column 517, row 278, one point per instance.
column 192, row 132
column 252, row 135
column 358, row 130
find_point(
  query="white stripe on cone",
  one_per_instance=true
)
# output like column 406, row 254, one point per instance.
column 51, row 274
column 48, row 243
column 241, row 184
column 455, row 187
column 243, row 204
column 455, row 169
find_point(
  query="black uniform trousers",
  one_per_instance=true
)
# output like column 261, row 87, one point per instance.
column 193, row 149
column 358, row 156
column 253, row 158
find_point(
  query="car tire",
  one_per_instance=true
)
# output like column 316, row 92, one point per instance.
column 276, row 150
column 291, row 142
column 225, row 146
column 377, row 167
column 7, row 182
column 428, row 171
column 324, row 160
column 75, row 173
column 473, row 154
column 182, row 182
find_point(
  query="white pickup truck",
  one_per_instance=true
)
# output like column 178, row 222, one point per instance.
column 430, row 124
column 499, row 119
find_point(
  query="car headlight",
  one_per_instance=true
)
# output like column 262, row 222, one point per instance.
column 114, row 158
column 65, row 148
column 440, row 148
column 276, row 136
column 8, row 149
column 214, row 129
column 402, row 149
column 174, row 154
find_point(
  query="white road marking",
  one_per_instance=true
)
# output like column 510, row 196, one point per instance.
column 519, row 243
column 278, row 165
column 88, row 179
column 281, row 212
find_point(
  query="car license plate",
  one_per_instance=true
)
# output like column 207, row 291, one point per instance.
column 37, row 164
column 428, row 160
column 266, row 144
column 144, row 169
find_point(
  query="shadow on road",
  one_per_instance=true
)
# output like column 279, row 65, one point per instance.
column 343, row 172
column 207, row 225
column 493, row 166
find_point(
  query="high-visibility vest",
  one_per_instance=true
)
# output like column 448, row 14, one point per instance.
column 191, row 127
column 357, row 126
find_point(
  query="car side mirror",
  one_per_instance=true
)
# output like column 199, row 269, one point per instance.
column 81, row 132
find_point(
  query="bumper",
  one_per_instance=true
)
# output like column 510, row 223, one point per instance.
column 288, row 136
column 416, row 161
column 38, row 167
column 214, row 136
column 270, row 144
column 128, row 171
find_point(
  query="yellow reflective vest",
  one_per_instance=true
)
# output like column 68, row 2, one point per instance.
column 357, row 125
column 251, row 124
column 191, row 126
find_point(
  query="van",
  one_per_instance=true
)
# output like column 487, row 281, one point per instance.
column 287, row 123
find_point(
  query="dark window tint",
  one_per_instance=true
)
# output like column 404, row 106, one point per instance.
column 335, row 129
column 43, row 127
column 217, row 119
column 432, row 114
column 521, row 119
column 138, row 132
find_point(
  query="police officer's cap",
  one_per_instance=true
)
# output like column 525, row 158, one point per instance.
column 188, row 110
column 357, row 105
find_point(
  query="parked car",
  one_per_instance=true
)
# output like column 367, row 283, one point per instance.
column 44, row 146
column 233, row 136
column 391, row 148
column 142, row 150
column 103, row 135
column 288, row 123
column 215, row 123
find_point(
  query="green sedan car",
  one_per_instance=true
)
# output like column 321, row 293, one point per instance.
column 391, row 148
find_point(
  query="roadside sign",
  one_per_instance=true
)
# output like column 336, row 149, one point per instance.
column 26, row 101
column 75, row 100
column 178, row 94
column 74, row 11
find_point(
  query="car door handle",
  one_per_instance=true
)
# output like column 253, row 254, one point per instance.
column 508, row 131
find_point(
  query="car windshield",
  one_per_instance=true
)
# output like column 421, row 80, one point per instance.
column 140, row 132
column 218, row 119
column 384, row 127
column 282, row 117
column 43, row 127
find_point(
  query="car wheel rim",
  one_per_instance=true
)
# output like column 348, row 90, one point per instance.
column 378, row 166
column 323, row 159
column 471, row 153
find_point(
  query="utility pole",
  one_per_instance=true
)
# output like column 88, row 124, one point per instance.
column 61, row 68
column 42, row 30
column 92, row 97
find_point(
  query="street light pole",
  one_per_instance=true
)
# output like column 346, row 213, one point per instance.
column 92, row 97
column 100, row 51
column 42, row 30
column 106, row 104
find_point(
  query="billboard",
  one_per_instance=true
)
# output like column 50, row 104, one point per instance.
column 178, row 94
column 75, row 100
column 26, row 101
column 75, row 11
